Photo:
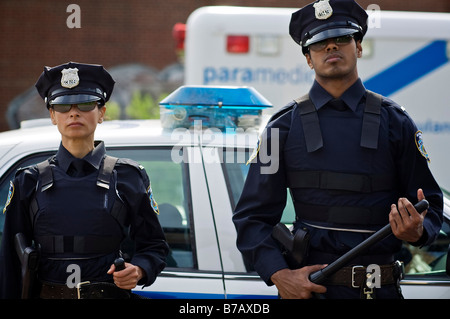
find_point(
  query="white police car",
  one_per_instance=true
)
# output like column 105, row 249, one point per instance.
column 197, row 176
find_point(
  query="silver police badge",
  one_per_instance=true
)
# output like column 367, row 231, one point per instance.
column 70, row 78
column 323, row 9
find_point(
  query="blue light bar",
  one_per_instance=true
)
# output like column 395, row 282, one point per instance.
column 221, row 107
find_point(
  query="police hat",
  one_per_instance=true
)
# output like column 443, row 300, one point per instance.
column 74, row 83
column 326, row 19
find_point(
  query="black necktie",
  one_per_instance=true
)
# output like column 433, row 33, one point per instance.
column 338, row 104
column 77, row 168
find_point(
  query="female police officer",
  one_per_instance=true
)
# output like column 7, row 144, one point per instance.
column 353, row 162
column 77, row 205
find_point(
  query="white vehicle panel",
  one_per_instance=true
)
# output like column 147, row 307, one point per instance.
column 226, row 232
column 208, row 255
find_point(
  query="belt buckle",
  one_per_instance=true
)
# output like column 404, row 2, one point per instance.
column 79, row 285
column 353, row 275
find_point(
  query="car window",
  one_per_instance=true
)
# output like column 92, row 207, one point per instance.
column 236, row 170
column 428, row 260
column 169, row 182
column 170, row 186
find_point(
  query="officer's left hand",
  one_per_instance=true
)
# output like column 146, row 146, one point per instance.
column 128, row 277
column 406, row 222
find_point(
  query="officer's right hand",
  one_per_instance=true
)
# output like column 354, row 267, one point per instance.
column 295, row 284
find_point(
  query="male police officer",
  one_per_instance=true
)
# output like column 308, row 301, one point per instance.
column 78, row 205
column 348, row 156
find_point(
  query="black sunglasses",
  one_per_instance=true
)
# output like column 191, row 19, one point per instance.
column 343, row 40
column 83, row 107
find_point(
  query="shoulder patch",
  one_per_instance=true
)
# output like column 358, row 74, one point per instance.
column 153, row 202
column 420, row 145
column 10, row 196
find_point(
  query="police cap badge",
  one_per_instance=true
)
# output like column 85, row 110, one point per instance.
column 69, row 78
column 323, row 10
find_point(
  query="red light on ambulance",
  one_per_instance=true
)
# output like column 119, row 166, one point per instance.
column 238, row 44
column 179, row 34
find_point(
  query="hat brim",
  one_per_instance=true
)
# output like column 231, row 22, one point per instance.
column 74, row 99
column 328, row 34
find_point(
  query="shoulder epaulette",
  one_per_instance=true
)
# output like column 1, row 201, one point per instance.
column 285, row 109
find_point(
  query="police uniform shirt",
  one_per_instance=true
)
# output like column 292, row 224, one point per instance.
column 133, row 187
column 264, row 195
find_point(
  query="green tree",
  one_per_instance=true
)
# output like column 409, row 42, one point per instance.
column 142, row 106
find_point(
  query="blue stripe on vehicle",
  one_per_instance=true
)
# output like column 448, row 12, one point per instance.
column 191, row 295
column 409, row 69
column 177, row 295
column 240, row 296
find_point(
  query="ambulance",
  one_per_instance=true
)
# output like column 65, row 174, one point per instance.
column 405, row 58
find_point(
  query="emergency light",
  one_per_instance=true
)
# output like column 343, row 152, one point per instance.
column 220, row 107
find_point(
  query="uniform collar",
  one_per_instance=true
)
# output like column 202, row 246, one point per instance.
column 94, row 157
column 352, row 96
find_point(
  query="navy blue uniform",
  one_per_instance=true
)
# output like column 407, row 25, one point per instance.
column 337, row 217
column 75, row 222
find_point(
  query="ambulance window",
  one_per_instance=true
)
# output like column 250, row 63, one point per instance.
column 236, row 170
column 170, row 188
column 5, row 181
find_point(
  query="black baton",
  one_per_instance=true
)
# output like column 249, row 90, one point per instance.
column 320, row 275
column 119, row 263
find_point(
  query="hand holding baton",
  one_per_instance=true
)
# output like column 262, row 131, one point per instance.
column 320, row 276
column 119, row 263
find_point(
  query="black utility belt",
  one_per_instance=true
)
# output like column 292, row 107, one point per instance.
column 356, row 276
column 84, row 290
